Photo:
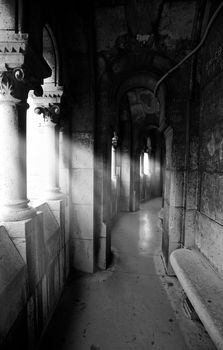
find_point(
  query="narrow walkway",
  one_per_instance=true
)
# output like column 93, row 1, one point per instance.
column 128, row 306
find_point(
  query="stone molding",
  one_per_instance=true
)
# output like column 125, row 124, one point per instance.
column 51, row 94
column 50, row 113
column 20, row 65
column 49, row 103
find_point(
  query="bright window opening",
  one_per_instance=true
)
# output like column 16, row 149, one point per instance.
column 141, row 165
column 146, row 164
column 113, row 163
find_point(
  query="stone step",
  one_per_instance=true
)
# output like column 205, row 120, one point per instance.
column 203, row 287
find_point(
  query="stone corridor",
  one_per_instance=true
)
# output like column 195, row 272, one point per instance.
column 133, row 304
column 105, row 106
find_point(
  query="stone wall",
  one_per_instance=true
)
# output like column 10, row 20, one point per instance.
column 175, row 165
column 34, row 266
column 209, row 229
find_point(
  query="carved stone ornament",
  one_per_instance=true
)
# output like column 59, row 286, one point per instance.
column 49, row 103
column 20, row 64
column 129, row 42
column 49, row 95
column 115, row 140
column 50, row 113
column 9, row 81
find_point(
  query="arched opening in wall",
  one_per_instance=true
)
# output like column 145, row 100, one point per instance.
column 50, row 54
column 140, row 148
column 135, row 114
column 151, row 169
column 41, row 124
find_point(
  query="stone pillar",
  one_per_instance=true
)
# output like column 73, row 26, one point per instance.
column 13, row 190
column 125, row 175
column 20, row 70
column 64, row 159
column 113, row 176
column 136, row 181
column 51, row 190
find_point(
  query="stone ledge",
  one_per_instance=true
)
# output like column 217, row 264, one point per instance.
column 204, row 288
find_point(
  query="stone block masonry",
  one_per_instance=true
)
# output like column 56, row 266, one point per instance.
column 34, row 265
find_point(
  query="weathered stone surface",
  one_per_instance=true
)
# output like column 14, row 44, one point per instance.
column 31, row 321
column 7, row 22
column 57, row 277
column 110, row 23
column 194, row 152
column 172, row 246
column 36, row 252
column 51, row 231
column 178, row 149
column 167, row 182
column 192, row 189
column 44, row 299
column 82, row 112
column 213, row 52
column 67, row 223
column 208, row 191
column 64, row 180
column 168, row 143
column 209, row 240
column 190, row 228
column 165, row 233
column 175, row 224
column 219, row 199
column 83, row 255
column 57, row 208
column 67, row 258
column 204, row 289
column 82, row 150
column 82, row 186
column 83, row 221
column 211, row 157
column 176, row 188
column 176, row 24
column 17, row 232
column 13, row 283
column 62, row 267
column 104, row 253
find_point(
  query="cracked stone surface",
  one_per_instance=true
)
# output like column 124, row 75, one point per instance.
column 133, row 304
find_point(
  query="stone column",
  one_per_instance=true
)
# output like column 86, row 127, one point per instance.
column 13, row 190
column 113, row 157
column 20, row 70
column 64, row 159
column 50, row 117
column 114, row 193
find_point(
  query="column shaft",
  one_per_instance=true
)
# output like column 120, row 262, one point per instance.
column 50, row 162
column 13, row 189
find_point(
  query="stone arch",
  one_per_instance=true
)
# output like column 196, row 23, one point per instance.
column 133, row 69
column 51, row 55
column 148, row 81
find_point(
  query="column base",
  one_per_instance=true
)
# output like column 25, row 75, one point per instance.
column 15, row 213
column 53, row 195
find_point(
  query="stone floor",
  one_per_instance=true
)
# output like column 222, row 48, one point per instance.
column 132, row 305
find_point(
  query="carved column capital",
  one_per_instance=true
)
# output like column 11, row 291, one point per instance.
column 50, row 113
column 12, row 85
column 48, row 104
column 20, row 66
